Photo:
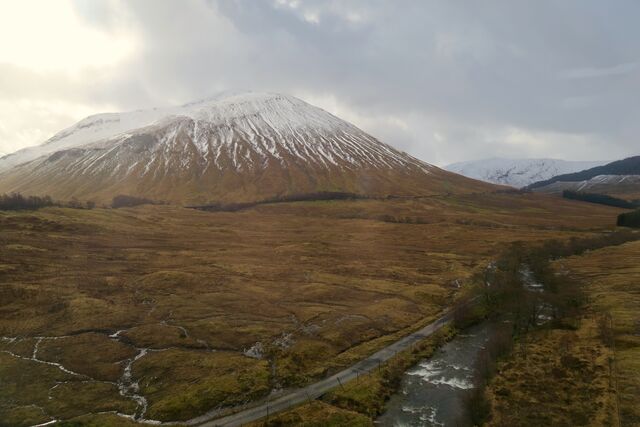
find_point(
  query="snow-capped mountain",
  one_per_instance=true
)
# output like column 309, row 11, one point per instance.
column 603, row 184
column 620, row 178
column 233, row 147
column 518, row 172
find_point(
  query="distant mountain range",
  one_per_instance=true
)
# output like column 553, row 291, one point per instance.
column 518, row 172
column 235, row 147
column 620, row 178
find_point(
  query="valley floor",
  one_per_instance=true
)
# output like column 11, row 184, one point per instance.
column 165, row 313
column 589, row 375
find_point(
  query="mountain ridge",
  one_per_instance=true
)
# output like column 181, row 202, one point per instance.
column 236, row 147
column 620, row 178
column 517, row 172
column 627, row 166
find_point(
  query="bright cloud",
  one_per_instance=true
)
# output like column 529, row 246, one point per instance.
column 444, row 81
column 49, row 35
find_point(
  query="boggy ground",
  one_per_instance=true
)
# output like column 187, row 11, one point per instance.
column 588, row 374
column 165, row 312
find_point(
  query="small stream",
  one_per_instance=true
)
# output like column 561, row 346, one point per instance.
column 432, row 392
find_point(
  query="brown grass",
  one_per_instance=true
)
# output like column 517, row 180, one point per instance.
column 555, row 377
column 319, row 284
column 612, row 279
column 586, row 376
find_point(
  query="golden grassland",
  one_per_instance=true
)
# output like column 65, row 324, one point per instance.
column 318, row 284
column 586, row 376
column 555, row 377
column 612, row 279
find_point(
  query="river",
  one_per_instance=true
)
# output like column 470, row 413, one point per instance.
column 432, row 393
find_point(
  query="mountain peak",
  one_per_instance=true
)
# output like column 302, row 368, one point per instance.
column 235, row 146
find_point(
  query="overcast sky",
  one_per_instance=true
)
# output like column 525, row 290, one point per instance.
column 443, row 80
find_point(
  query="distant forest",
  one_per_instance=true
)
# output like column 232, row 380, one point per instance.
column 306, row 197
column 124, row 201
column 629, row 219
column 17, row 202
column 602, row 199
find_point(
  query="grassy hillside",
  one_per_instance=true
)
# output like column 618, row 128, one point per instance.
column 231, row 304
column 585, row 372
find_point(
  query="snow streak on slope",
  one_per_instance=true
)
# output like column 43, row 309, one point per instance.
column 623, row 186
column 307, row 131
column 518, row 172
column 235, row 147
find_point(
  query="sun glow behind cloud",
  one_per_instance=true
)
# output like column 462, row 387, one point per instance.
column 49, row 35
column 441, row 80
column 50, row 56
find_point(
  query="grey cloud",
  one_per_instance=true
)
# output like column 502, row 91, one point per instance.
column 467, row 71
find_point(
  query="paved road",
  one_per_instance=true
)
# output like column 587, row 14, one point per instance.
column 316, row 390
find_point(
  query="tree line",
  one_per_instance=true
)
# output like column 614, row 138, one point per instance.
column 303, row 197
column 629, row 219
column 602, row 199
column 17, row 202
column 124, row 201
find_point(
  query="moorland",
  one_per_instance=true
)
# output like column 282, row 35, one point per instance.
column 165, row 312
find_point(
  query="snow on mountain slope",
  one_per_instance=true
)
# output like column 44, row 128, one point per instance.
column 258, row 116
column 518, row 172
column 620, row 178
column 232, row 147
column 597, row 184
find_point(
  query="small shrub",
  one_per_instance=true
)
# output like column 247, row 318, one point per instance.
column 124, row 201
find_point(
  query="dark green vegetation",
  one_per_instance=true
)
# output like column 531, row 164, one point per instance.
column 124, row 201
column 16, row 201
column 602, row 199
column 217, row 308
column 307, row 197
column 628, row 166
column 629, row 219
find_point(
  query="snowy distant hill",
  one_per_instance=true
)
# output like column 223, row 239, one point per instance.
column 230, row 148
column 518, row 172
column 620, row 178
